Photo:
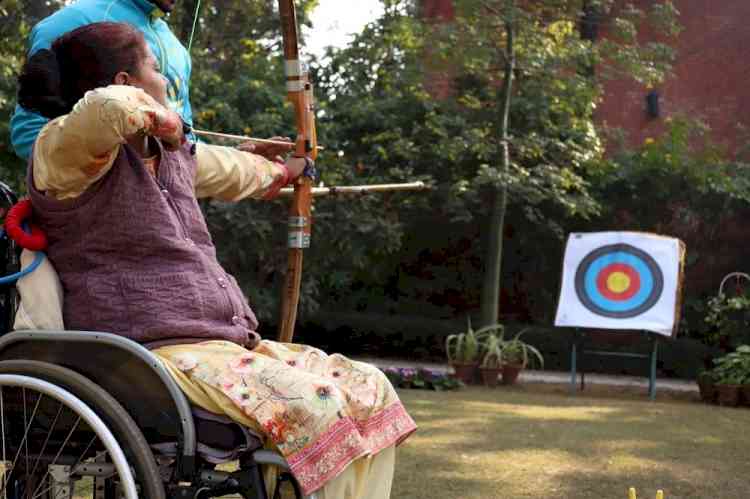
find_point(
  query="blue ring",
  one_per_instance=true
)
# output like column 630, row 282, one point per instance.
column 643, row 271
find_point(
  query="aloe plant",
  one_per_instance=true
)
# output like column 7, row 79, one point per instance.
column 518, row 352
column 466, row 347
column 462, row 348
column 493, row 352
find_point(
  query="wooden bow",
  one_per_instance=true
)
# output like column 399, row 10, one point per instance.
column 300, row 94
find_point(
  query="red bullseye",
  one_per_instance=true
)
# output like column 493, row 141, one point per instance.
column 604, row 281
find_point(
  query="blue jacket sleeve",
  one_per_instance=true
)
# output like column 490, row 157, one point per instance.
column 24, row 127
column 187, row 110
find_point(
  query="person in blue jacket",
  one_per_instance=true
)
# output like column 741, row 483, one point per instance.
column 146, row 16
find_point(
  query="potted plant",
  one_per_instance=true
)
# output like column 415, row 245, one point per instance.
column 743, row 351
column 729, row 320
column 707, row 386
column 462, row 350
column 492, row 362
column 728, row 390
column 516, row 355
column 732, row 371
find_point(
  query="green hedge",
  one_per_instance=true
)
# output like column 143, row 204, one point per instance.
column 421, row 339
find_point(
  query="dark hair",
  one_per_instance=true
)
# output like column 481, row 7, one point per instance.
column 89, row 57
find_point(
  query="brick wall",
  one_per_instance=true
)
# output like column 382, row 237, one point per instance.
column 711, row 77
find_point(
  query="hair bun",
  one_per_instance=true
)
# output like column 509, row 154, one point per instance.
column 39, row 85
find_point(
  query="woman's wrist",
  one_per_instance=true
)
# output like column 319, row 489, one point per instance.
column 280, row 182
column 287, row 175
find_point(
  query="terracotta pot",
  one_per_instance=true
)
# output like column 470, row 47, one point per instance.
column 465, row 372
column 490, row 375
column 707, row 390
column 510, row 373
column 728, row 395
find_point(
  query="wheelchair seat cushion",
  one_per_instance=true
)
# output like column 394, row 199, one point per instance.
column 41, row 297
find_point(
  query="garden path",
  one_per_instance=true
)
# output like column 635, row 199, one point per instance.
column 534, row 376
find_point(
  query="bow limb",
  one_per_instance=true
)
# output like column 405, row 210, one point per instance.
column 300, row 95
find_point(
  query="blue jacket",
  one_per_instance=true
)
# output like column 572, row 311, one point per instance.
column 173, row 58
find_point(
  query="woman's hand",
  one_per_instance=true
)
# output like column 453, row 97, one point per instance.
column 167, row 125
column 269, row 151
column 295, row 166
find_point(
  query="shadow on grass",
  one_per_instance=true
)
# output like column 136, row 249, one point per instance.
column 482, row 443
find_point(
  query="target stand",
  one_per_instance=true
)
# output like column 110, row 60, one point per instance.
column 626, row 282
column 578, row 350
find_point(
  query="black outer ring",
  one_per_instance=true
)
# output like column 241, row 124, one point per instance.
column 649, row 302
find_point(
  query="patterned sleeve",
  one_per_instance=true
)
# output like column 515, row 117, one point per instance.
column 230, row 174
column 74, row 151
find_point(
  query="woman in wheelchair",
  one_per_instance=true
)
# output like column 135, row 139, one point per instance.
column 114, row 185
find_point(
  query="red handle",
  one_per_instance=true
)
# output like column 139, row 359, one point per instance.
column 37, row 240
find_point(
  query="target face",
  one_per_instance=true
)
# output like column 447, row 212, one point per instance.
column 618, row 281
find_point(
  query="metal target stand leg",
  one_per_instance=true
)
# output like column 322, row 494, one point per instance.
column 574, row 363
column 652, row 373
column 573, row 359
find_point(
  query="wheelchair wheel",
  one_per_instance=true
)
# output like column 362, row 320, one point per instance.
column 49, row 447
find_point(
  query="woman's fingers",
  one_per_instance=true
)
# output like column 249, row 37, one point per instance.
column 247, row 146
column 270, row 151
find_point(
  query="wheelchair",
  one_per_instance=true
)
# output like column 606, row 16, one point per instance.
column 91, row 414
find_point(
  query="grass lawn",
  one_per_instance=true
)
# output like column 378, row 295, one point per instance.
column 536, row 441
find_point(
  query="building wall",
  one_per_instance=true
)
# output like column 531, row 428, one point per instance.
column 711, row 76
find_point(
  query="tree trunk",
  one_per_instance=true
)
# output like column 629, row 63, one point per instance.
column 490, row 300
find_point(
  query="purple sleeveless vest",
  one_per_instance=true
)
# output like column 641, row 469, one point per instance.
column 136, row 259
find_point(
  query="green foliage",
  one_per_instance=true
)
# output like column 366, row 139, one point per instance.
column 493, row 349
column 728, row 317
column 463, row 348
column 518, row 352
column 733, row 368
column 677, row 168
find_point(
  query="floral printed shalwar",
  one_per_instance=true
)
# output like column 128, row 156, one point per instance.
column 322, row 412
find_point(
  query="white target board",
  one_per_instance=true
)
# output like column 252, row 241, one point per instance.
column 621, row 280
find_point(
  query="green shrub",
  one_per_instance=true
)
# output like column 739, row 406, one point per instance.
column 728, row 317
column 733, row 368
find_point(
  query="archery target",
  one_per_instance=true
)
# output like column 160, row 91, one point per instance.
column 621, row 280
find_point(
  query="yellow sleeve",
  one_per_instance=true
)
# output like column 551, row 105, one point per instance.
column 229, row 174
column 74, row 151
